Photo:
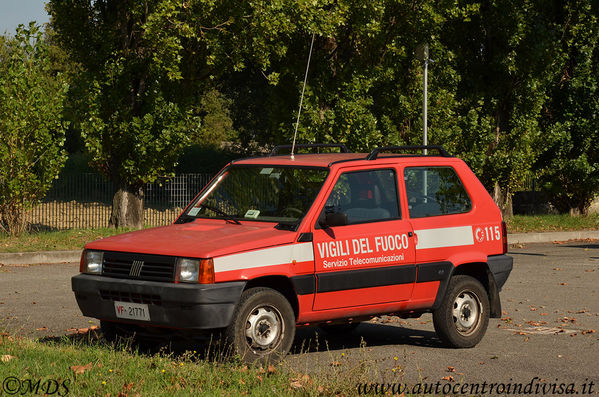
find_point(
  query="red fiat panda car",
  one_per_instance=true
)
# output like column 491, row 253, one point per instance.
column 272, row 243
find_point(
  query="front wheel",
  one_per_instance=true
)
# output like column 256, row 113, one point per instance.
column 263, row 326
column 462, row 319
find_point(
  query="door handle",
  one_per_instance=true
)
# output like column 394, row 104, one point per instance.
column 410, row 234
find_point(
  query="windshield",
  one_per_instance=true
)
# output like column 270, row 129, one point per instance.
column 268, row 194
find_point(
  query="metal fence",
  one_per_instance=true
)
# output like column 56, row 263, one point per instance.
column 85, row 200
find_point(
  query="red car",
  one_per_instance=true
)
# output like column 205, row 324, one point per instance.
column 276, row 242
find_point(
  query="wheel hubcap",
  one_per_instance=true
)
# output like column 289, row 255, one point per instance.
column 466, row 312
column 264, row 328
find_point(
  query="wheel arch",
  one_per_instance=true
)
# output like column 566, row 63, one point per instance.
column 279, row 283
column 481, row 272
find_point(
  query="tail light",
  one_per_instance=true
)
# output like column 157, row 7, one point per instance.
column 504, row 236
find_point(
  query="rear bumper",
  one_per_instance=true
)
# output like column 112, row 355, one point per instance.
column 501, row 267
column 184, row 306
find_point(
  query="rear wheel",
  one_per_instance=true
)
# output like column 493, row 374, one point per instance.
column 462, row 319
column 263, row 326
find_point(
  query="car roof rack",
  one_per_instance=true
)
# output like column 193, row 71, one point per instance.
column 278, row 148
column 375, row 153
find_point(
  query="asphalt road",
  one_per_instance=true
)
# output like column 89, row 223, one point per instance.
column 549, row 329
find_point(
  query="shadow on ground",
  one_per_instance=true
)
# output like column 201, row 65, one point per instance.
column 211, row 346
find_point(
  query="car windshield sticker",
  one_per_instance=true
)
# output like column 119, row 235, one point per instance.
column 266, row 171
column 276, row 175
column 252, row 214
column 194, row 211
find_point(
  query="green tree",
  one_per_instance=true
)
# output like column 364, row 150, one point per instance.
column 504, row 52
column 32, row 133
column 569, row 163
column 365, row 84
column 135, row 114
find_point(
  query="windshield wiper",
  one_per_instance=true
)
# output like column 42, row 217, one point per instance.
column 223, row 213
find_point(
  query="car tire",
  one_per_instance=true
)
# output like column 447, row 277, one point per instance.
column 263, row 326
column 462, row 319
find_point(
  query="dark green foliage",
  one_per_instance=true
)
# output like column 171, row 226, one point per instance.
column 569, row 163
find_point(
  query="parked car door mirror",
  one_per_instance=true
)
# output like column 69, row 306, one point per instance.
column 331, row 219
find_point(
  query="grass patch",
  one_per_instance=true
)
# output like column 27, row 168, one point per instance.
column 90, row 367
column 73, row 239
column 551, row 223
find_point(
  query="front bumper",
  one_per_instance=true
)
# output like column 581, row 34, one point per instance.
column 183, row 306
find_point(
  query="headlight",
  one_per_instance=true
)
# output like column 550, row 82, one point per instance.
column 195, row 271
column 188, row 270
column 91, row 262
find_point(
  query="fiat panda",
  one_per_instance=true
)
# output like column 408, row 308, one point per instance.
column 278, row 242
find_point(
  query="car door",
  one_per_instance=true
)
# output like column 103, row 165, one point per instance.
column 363, row 249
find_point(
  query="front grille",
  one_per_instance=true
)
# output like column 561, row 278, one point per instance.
column 139, row 266
column 122, row 296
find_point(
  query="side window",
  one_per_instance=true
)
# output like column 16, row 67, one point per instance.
column 433, row 191
column 365, row 196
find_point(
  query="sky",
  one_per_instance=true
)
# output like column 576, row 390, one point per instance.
column 15, row 12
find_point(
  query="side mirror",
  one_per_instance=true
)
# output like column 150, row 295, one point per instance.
column 332, row 219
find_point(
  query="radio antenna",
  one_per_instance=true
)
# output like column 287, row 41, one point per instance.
column 302, row 99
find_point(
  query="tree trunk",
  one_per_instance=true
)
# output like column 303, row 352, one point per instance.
column 127, row 208
column 12, row 219
column 503, row 199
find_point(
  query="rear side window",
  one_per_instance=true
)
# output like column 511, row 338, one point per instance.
column 434, row 191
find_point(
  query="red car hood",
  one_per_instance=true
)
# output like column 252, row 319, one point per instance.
column 198, row 239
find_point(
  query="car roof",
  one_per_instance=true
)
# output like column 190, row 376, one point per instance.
column 326, row 159
column 302, row 159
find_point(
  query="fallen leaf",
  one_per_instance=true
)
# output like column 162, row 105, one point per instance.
column 296, row 384
column 588, row 331
column 450, row 369
column 563, row 283
column 533, row 309
column 79, row 369
column 335, row 363
column 42, row 329
column 6, row 358
column 557, row 268
column 448, row 378
column 271, row 369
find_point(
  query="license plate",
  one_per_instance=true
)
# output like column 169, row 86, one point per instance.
column 132, row 311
